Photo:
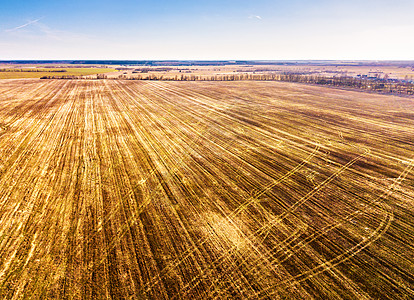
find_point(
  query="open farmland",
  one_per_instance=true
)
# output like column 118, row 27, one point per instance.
column 201, row 190
column 19, row 73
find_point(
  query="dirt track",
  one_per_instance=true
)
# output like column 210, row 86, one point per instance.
column 202, row 190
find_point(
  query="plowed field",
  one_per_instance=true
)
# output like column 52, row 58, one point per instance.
column 203, row 190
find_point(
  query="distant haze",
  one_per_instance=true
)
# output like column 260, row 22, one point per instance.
column 207, row 30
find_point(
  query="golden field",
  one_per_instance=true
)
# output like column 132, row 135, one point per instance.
column 114, row 189
column 19, row 73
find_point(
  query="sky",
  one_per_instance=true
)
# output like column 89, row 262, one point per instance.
column 207, row 30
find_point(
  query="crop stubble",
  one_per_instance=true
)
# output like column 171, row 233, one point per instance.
column 123, row 189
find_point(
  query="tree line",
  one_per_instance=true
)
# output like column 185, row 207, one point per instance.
column 381, row 85
column 384, row 85
column 98, row 76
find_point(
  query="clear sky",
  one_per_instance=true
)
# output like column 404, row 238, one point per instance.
column 209, row 30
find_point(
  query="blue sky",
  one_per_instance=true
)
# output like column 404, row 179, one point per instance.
column 226, row 29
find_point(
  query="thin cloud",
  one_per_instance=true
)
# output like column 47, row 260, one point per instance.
column 39, row 30
column 255, row 17
column 22, row 26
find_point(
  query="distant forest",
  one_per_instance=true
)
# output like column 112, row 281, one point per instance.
column 339, row 63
